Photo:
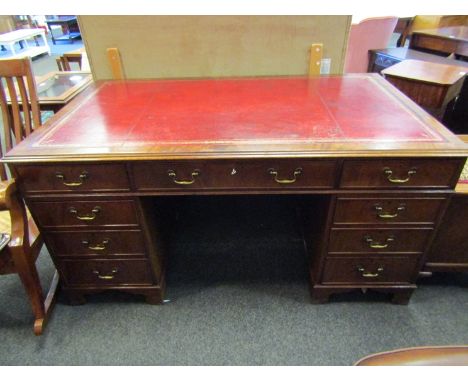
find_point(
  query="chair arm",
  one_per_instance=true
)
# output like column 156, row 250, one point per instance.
column 7, row 189
column 10, row 200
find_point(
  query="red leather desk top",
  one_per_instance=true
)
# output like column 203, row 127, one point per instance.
column 168, row 116
column 243, row 109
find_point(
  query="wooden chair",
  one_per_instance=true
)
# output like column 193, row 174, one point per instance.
column 419, row 356
column 61, row 64
column 19, row 120
column 64, row 62
column 19, row 103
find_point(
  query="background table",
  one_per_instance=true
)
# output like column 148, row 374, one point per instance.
column 430, row 85
column 56, row 89
column 456, row 116
column 69, row 26
column 448, row 40
column 23, row 35
column 380, row 59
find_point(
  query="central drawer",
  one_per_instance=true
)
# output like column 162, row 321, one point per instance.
column 80, row 213
column 370, row 240
column 222, row 174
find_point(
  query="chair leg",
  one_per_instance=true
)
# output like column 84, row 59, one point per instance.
column 40, row 323
column 28, row 274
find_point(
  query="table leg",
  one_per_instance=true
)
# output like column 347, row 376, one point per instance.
column 402, row 297
column 46, row 44
column 404, row 34
column 69, row 33
column 12, row 48
column 51, row 34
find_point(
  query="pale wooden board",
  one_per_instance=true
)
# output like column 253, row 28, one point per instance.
column 212, row 46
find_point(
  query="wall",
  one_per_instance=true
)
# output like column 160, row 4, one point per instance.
column 212, row 46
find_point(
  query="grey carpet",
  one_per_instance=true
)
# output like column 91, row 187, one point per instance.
column 238, row 295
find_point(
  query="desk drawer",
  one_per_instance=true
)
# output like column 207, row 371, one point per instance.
column 387, row 210
column 77, row 213
column 74, row 178
column 386, row 240
column 364, row 270
column 95, row 243
column 283, row 173
column 99, row 273
column 401, row 173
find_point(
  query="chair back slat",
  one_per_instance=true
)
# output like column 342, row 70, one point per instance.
column 64, row 62
column 27, row 126
column 6, row 117
column 33, row 99
column 16, row 113
column 58, row 60
column 3, row 174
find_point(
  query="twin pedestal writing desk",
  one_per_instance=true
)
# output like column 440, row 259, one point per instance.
column 385, row 168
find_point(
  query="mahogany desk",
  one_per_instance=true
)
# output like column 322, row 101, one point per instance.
column 385, row 167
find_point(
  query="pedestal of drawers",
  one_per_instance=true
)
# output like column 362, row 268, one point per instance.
column 376, row 242
column 98, row 234
column 378, row 237
column 101, row 244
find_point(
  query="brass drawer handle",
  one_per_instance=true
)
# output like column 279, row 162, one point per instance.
column 369, row 274
column 389, row 174
column 85, row 217
column 96, row 247
column 83, row 176
column 378, row 245
column 173, row 175
column 106, row 277
column 388, row 215
column 297, row 172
